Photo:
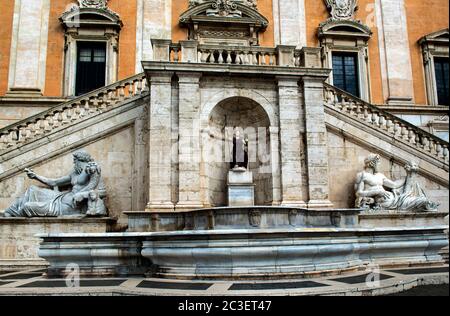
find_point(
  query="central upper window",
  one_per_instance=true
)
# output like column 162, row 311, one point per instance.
column 345, row 72
column 91, row 66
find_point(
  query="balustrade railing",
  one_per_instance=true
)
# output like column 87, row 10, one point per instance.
column 193, row 52
column 60, row 116
column 385, row 122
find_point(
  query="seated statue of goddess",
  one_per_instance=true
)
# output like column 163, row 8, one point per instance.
column 374, row 191
column 86, row 196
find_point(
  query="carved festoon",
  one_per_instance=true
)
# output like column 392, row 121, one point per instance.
column 374, row 191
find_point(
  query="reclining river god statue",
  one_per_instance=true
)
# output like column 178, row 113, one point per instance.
column 374, row 191
column 85, row 197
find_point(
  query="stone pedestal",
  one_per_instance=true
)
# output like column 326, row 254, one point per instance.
column 241, row 190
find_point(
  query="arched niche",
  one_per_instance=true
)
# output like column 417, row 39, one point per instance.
column 253, row 121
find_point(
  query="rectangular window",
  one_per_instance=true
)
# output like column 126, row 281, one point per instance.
column 442, row 80
column 345, row 72
column 91, row 66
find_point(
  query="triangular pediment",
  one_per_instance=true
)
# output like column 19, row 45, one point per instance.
column 438, row 36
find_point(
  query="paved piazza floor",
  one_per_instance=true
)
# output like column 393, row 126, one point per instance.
column 33, row 282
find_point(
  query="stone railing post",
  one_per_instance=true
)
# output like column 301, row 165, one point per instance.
column 285, row 56
column 189, row 51
column 310, row 57
column 161, row 49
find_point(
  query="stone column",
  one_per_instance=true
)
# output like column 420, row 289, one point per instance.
column 394, row 49
column 140, row 184
column 276, row 167
column 160, row 119
column 153, row 20
column 189, row 141
column 29, row 47
column 290, row 112
column 316, row 143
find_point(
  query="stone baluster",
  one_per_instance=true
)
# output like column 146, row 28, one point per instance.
column 405, row 133
column 438, row 150
column 229, row 59
column 411, row 136
column 203, row 56
column 139, row 87
column 366, row 114
column 374, row 120
column 445, row 153
column 93, row 104
column 388, row 124
column 431, row 146
column 121, row 90
column 176, row 58
column 272, row 60
column 220, row 58
column 47, row 126
column 263, row 59
column 425, row 143
column 21, row 135
column 382, row 121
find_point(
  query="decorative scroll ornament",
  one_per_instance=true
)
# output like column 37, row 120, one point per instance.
column 342, row 9
column 96, row 4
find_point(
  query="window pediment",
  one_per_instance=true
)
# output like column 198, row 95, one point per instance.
column 90, row 16
column 344, row 28
column 441, row 36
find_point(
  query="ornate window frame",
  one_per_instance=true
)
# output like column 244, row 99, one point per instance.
column 433, row 45
column 90, row 21
column 347, row 36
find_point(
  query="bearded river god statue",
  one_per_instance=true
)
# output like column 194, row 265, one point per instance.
column 86, row 196
column 374, row 191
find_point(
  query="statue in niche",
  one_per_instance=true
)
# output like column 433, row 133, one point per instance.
column 85, row 197
column 240, row 152
column 374, row 191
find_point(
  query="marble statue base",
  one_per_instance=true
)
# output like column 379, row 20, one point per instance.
column 241, row 190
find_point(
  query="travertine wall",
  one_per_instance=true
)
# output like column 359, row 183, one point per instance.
column 346, row 159
column 114, row 153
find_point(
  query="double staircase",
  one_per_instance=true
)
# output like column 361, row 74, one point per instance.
column 345, row 114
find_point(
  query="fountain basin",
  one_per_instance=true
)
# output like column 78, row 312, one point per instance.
column 243, row 253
